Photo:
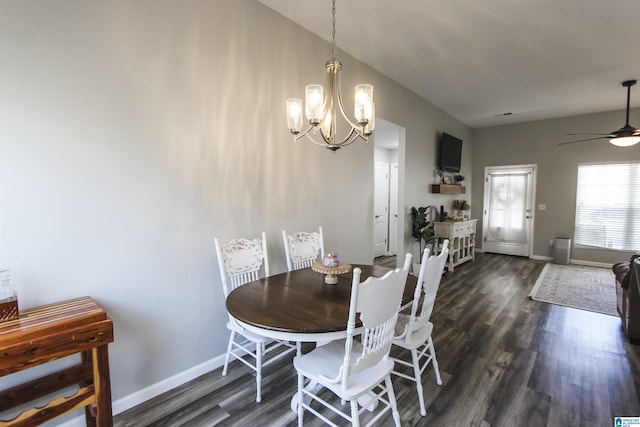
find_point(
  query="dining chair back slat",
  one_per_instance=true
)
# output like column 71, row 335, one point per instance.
column 243, row 278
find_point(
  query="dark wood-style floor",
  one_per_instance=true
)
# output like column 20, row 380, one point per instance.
column 505, row 360
column 386, row 261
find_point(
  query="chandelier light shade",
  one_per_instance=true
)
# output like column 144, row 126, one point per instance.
column 363, row 104
column 294, row 114
column 321, row 107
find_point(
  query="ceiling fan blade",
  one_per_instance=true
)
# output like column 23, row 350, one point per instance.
column 624, row 132
column 583, row 140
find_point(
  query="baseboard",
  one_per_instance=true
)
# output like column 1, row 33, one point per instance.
column 156, row 389
column 574, row 261
column 541, row 258
column 167, row 384
column 590, row 263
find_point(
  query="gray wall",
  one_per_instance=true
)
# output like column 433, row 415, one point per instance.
column 133, row 133
column 537, row 143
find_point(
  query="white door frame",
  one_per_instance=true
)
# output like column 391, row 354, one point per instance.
column 400, row 226
column 531, row 199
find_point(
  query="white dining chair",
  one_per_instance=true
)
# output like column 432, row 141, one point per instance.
column 240, row 261
column 413, row 331
column 301, row 249
column 357, row 370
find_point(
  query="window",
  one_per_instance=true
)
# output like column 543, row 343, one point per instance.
column 608, row 206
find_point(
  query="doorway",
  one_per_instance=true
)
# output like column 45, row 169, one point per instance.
column 388, row 198
column 509, row 194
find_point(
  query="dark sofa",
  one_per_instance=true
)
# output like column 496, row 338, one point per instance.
column 628, row 296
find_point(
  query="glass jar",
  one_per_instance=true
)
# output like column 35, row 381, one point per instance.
column 8, row 296
column 330, row 260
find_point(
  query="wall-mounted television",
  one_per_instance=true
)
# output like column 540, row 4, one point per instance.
column 450, row 155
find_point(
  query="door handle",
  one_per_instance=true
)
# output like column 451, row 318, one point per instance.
column 377, row 216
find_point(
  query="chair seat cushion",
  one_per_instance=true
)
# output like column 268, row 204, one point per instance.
column 326, row 361
column 418, row 337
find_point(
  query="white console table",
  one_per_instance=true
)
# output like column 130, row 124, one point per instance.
column 462, row 240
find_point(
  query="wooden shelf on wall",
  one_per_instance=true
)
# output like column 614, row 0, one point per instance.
column 448, row 189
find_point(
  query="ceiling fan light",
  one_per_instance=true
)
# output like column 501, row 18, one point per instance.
column 625, row 141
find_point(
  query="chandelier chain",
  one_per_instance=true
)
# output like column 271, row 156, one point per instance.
column 334, row 54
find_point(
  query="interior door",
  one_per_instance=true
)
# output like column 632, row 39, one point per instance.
column 381, row 209
column 508, row 209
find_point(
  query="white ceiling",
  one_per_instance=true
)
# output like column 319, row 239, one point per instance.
column 477, row 60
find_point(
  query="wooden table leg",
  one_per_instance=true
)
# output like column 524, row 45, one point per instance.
column 100, row 414
column 102, row 384
column 89, row 410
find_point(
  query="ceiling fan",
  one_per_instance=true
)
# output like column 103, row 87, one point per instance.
column 623, row 137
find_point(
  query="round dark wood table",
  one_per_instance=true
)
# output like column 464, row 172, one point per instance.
column 299, row 305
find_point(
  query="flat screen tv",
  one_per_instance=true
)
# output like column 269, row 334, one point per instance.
column 450, row 153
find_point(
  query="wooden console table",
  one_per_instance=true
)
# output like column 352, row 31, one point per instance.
column 462, row 240
column 50, row 332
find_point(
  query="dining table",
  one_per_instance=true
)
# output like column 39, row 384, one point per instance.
column 299, row 306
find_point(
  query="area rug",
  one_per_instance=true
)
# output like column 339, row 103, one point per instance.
column 577, row 286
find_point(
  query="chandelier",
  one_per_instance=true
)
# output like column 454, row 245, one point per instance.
column 321, row 109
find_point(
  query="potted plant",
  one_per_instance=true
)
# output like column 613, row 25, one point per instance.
column 458, row 179
column 422, row 230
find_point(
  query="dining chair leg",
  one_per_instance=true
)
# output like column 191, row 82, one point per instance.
column 298, row 348
column 259, row 353
column 417, row 377
column 226, row 358
column 355, row 416
column 392, row 400
column 432, row 351
column 300, row 399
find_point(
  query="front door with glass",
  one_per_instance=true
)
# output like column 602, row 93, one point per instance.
column 508, row 209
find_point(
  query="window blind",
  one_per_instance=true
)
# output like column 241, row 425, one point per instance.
column 608, row 206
